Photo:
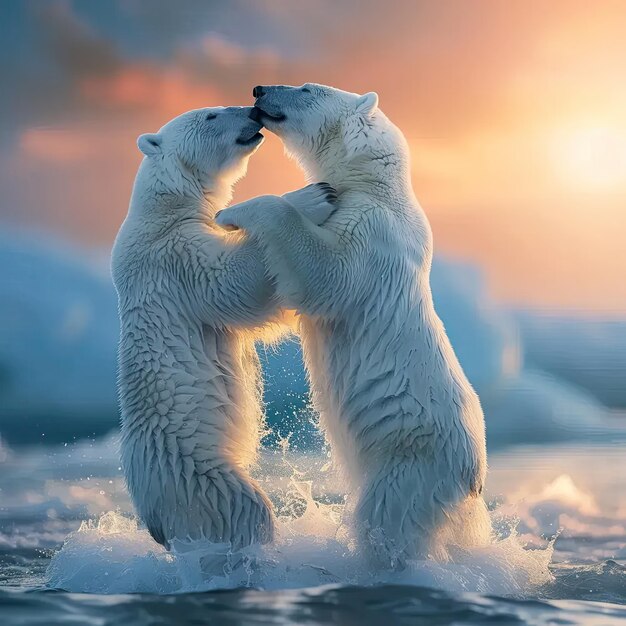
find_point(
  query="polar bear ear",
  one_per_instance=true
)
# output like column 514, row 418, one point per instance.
column 149, row 143
column 367, row 103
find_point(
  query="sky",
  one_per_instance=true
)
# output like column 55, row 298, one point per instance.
column 515, row 113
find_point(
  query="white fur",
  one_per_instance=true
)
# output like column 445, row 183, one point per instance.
column 395, row 404
column 191, row 301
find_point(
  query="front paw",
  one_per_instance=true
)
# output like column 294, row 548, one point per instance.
column 316, row 202
column 235, row 218
column 254, row 216
column 226, row 220
column 322, row 202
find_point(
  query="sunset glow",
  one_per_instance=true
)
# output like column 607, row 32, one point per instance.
column 514, row 113
column 592, row 157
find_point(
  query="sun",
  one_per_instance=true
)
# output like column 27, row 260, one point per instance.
column 591, row 157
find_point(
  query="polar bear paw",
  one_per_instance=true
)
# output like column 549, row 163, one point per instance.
column 315, row 201
column 251, row 215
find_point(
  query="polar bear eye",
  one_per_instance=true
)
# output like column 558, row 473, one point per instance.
column 210, row 116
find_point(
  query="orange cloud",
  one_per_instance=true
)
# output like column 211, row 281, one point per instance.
column 514, row 113
column 165, row 92
column 220, row 51
column 53, row 145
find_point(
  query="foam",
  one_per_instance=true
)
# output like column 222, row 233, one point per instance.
column 115, row 555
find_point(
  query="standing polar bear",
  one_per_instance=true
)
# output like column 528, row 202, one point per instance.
column 191, row 301
column 400, row 415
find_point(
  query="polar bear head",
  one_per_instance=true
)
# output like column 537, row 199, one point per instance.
column 201, row 153
column 326, row 128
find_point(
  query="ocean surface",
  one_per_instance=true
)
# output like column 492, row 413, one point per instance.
column 71, row 551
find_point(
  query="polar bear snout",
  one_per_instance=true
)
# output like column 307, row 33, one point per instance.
column 268, row 105
column 250, row 134
column 256, row 114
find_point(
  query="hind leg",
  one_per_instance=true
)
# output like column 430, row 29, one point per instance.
column 252, row 516
column 466, row 525
column 409, row 511
column 397, row 515
column 220, row 505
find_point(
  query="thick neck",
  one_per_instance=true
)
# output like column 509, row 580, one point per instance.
column 373, row 169
column 161, row 199
column 167, row 209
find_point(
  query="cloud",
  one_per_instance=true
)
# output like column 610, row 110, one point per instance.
column 73, row 43
column 52, row 146
column 480, row 89
column 141, row 88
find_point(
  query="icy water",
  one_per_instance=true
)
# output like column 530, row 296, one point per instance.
column 71, row 552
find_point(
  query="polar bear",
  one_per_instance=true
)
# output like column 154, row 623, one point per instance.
column 397, row 409
column 191, row 301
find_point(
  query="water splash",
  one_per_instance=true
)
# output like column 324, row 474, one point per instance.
column 115, row 555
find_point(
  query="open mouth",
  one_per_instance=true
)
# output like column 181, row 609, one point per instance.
column 246, row 140
column 261, row 115
column 250, row 135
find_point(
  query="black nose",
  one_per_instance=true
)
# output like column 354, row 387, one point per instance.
column 257, row 92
